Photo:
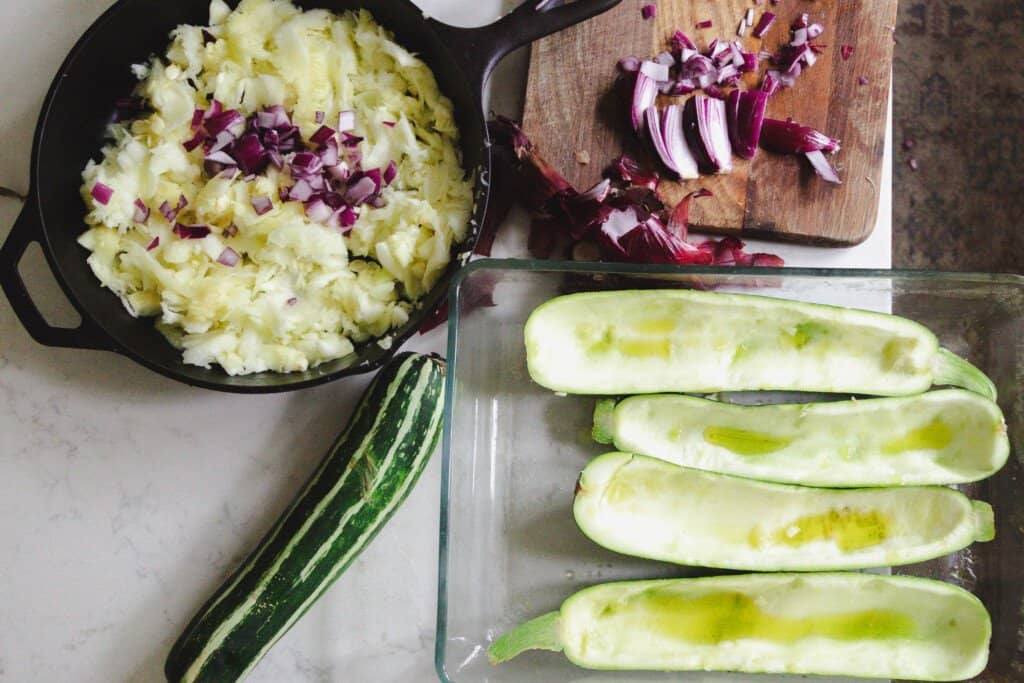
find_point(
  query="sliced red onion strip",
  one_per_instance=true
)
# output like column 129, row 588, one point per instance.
column 389, row 124
column 654, row 132
column 390, row 171
column 675, row 142
column 102, row 193
column 822, row 167
column 153, row 244
column 644, row 93
column 704, row 121
column 789, row 137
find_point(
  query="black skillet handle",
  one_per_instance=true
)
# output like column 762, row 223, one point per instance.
column 27, row 230
column 480, row 49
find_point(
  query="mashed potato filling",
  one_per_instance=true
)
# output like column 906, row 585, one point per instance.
column 302, row 292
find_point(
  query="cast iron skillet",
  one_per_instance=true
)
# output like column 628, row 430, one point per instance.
column 78, row 107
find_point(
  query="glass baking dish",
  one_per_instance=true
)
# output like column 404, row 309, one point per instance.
column 509, row 548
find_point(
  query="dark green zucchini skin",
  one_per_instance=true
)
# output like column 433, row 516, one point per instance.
column 362, row 480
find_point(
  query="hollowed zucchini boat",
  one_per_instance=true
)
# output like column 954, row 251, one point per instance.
column 948, row 436
column 649, row 508
column 830, row 624
column 637, row 342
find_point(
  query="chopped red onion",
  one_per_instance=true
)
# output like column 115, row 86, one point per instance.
column 322, row 135
column 682, row 41
column 318, row 211
column 822, row 167
column 846, row 51
column 389, row 124
column 665, row 59
column 704, row 24
column 648, row 11
column 229, row 231
column 301, row 191
column 912, row 163
column 654, row 70
column 318, row 117
column 390, row 171
column 191, row 232
column 261, row 205
column 141, row 214
column 713, row 91
column 763, row 24
column 229, row 257
column 814, row 30
column 770, row 84
column 863, row 80
column 102, row 193
column 801, row 21
column 346, row 120
column 360, row 191
column 629, row 64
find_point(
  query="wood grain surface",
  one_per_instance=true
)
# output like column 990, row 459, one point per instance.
column 577, row 105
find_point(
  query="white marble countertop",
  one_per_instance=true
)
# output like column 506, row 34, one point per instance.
column 126, row 498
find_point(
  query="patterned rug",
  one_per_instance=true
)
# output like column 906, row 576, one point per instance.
column 959, row 118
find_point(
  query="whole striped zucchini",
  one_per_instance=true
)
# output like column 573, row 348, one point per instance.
column 362, row 480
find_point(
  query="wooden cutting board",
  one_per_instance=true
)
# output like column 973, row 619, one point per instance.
column 573, row 108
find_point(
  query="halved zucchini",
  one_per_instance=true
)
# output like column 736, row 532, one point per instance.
column 649, row 508
column 830, row 624
column 941, row 437
column 637, row 342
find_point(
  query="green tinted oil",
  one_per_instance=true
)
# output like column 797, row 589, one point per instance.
column 935, row 435
column 632, row 346
column 726, row 616
column 655, row 326
column 804, row 333
column 744, row 441
column 849, row 529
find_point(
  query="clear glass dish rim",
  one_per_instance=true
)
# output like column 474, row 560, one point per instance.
column 440, row 635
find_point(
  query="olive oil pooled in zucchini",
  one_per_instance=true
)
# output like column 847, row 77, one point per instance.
column 949, row 436
column 649, row 341
column 840, row 624
column 649, row 508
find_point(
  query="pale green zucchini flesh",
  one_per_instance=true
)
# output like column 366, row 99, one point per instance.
column 648, row 341
column 947, row 436
column 360, row 483
column 649, row 508
column 840, row 624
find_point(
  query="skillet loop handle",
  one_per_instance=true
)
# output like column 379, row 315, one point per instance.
column 27, row 230
column 479, row 50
